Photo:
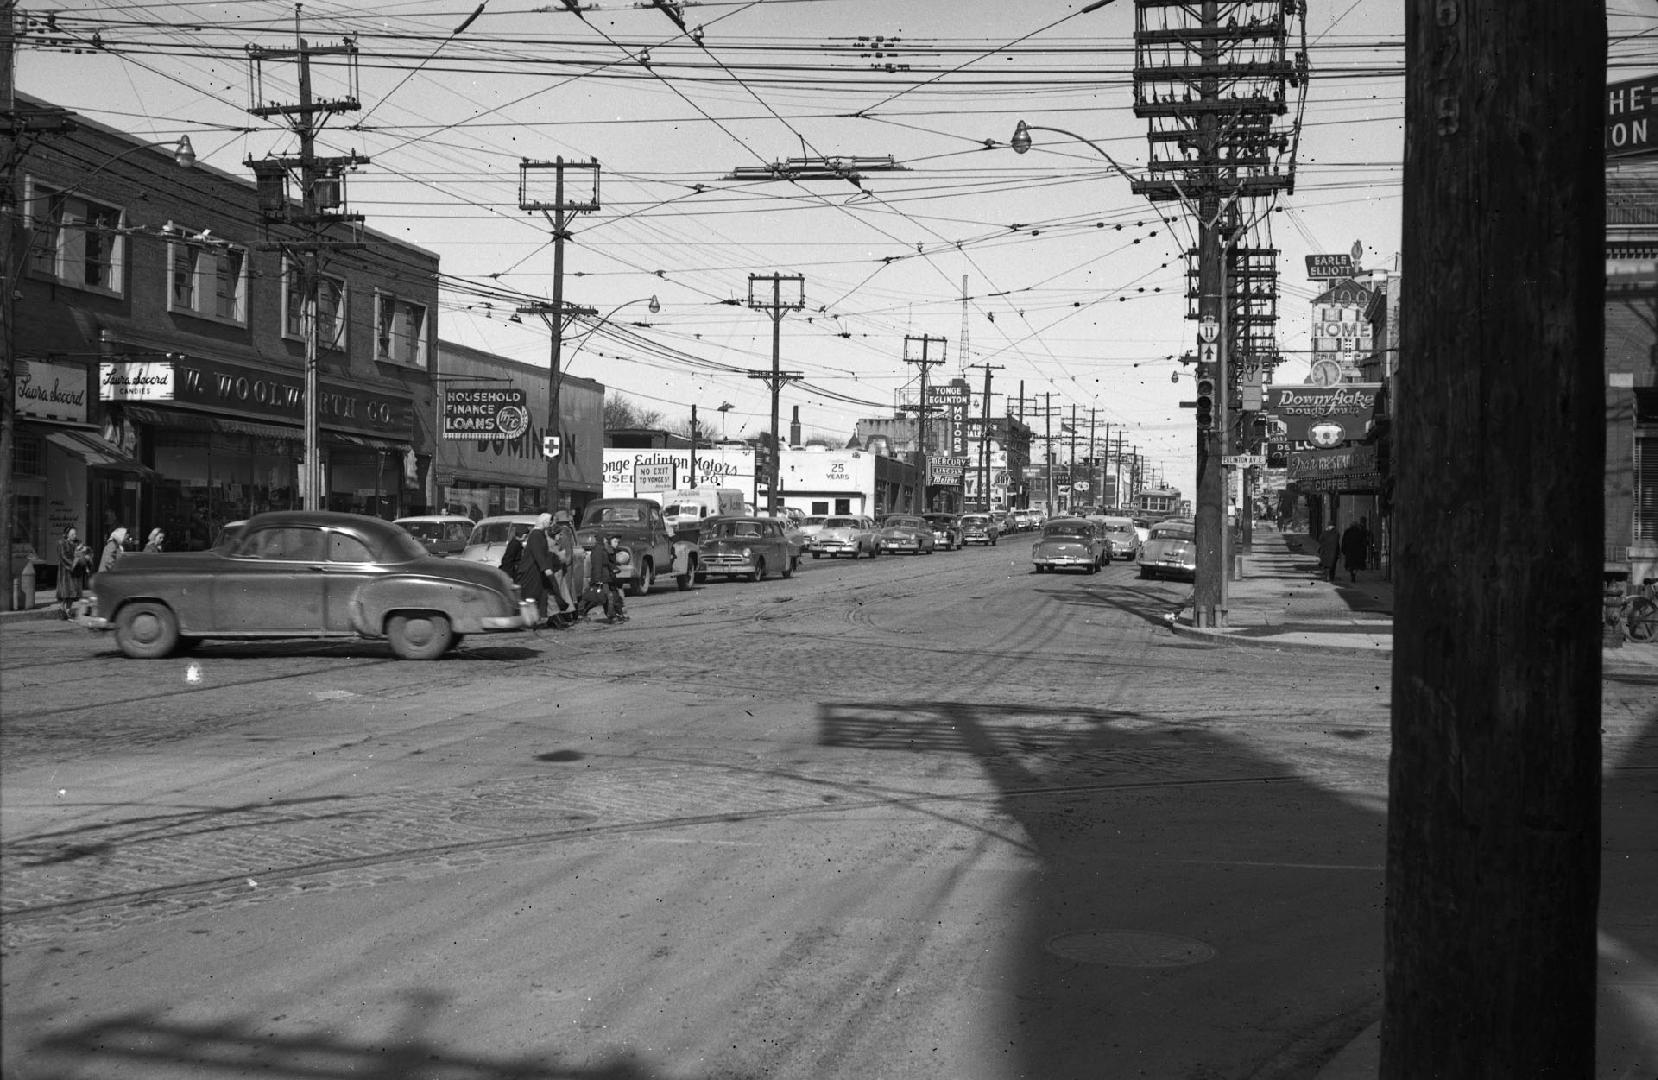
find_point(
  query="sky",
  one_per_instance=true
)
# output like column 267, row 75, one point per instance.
column 1073, row 285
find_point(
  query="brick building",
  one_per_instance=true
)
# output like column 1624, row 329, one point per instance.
column 160, row 351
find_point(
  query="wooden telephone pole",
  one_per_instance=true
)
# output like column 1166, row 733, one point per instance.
column 1493, row 828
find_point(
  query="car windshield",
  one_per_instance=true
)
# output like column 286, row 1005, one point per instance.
column 437, row 530
column 814, row 521
column 1066, row 529
column 975, row 519
column 1172, row 530
column 604, row 515
column 905, row 523
column 743, row 529
column 841, row 523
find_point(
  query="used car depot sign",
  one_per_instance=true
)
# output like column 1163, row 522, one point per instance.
column 485, row 412
column 1325, row 416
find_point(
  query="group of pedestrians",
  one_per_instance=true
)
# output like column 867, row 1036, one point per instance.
column 539, row 561
column 76, row 564
column 1349, row 549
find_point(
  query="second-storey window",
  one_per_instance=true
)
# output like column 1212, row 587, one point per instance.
column 76, row 241
column 209, row 280
column 331, row 308
column 399, row 330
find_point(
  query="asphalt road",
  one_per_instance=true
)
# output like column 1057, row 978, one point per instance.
column 927, row 816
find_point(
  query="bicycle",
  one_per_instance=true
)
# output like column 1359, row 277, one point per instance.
column 1639, row 612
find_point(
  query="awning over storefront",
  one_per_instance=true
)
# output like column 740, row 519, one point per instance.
column 182, row 420
column 97, row 451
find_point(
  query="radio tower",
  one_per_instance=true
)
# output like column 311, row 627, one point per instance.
column 963, row 360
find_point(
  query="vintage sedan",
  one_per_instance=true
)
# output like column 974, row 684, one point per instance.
column 305, row 574
column 1120, row 538
column 946, row 530
column 1070, row 544
column 979, row 529
column 746, row 547
column 1170, row 551
column 906, row 534
column 852, row 535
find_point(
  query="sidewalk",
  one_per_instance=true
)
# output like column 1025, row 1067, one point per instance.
column 1281, row 601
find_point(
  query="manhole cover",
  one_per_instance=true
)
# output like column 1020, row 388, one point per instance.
column 1129, row 948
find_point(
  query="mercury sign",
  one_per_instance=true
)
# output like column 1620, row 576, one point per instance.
column 485, row 413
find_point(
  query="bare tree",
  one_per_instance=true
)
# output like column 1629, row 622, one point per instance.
column 619, row 413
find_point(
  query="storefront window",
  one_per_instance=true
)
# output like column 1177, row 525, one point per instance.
column 212, row 479
column 364, row 482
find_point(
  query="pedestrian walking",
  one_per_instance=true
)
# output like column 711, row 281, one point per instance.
column 74, row 560
column 153, row 544
column 114, row 547
column 1355, row 548
column 535, row 566
column 1329, row 549
column 514, row 552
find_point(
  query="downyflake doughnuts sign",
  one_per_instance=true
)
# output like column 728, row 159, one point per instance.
column 485, row 412
column 1325, row 416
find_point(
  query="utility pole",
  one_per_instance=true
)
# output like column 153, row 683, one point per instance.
column 922, row 408
column 1222, row 133
column 693, row 446
column 560, row 211
column 1494, row 783
column 322, row 205
column 776, row 306
column 984, row 436
column 1048, row 447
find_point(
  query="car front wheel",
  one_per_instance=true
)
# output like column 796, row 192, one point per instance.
column 641, row 585
column 424, row 635
column 146, row 631
column 758, row 574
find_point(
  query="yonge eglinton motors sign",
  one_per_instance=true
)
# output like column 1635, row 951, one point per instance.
column 485, row 412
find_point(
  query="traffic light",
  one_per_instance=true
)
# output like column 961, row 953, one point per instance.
column 1205, row 404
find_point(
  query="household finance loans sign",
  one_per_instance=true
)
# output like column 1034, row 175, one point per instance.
column 485, row 412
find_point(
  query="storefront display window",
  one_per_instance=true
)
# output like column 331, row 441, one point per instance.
column 365, row 482
column 213, row 478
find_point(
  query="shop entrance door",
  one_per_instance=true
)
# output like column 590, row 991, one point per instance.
column 115, row 501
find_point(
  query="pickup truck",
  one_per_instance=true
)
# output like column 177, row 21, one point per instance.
column 651, row 547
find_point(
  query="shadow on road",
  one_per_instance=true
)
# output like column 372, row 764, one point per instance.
column 1197, row 910
column 147, row 1041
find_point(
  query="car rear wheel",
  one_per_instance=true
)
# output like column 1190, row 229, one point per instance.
column 683, row 581
column 641, row 585
column 146, row 630
column 789, row 566
column 423, row 635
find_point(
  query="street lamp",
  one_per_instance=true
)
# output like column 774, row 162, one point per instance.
column 13, row 255
column 1021, row 143
column 556, row 375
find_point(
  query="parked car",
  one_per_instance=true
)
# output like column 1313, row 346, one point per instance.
column 850, row 535
column 979, row 529
column 305, row 574
column 946, row 530
column 750, row 547
column 443, row 534
column 652, row 548
column 1121, row 539
column 909, row 533
column 1170, row 551
column 1070, row 544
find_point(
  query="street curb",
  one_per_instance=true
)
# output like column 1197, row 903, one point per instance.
column 1234, row 636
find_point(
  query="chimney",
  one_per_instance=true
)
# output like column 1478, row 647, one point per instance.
column 794, row 428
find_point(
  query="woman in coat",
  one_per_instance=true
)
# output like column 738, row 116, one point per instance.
column 72, row 568
column 113, row 549
column 535, row 564
column 1329, row 549
column 154, row 542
